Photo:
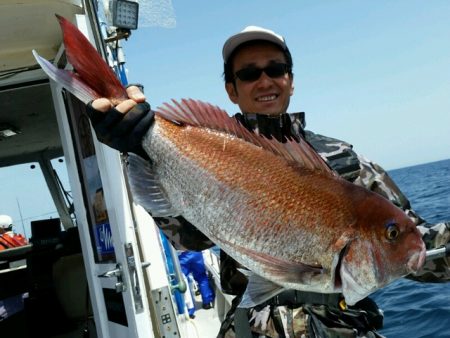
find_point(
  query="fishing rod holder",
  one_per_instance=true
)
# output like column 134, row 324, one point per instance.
column 440, row 252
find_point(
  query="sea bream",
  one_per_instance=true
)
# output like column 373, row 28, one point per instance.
column 275, row 207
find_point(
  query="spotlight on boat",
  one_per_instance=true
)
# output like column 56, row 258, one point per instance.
column 124, row 13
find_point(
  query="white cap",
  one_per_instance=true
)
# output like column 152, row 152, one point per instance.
column 251, row 33
column 5, row 221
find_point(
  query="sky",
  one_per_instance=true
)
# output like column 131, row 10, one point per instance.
column 373, row 73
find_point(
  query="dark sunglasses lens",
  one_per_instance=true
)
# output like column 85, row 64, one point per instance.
column 249, row 74
column 275, row 70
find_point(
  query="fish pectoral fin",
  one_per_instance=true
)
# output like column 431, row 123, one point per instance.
column 258, row 290
column 146, row 189
column 283, row 270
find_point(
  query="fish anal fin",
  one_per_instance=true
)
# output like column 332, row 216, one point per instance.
column 146, row 190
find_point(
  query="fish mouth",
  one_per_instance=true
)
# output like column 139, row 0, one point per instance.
column 416, row 261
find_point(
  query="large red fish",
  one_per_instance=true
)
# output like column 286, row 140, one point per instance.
column 276, row 208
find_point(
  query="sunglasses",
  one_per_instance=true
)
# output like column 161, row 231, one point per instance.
column 273, row 70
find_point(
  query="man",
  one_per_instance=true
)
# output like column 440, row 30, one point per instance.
column 259, row 79
column 8, row 238
column 192, row 262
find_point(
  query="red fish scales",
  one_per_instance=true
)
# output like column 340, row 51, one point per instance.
column 289, row 195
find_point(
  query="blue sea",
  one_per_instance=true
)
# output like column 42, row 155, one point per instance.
column 414, row 309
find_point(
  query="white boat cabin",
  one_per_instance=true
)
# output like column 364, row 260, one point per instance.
column 99, row 267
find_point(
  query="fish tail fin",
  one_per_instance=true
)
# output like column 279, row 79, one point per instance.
column 67, row 79
column 89, row 65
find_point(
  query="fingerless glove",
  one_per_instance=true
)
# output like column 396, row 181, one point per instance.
column 123, row 131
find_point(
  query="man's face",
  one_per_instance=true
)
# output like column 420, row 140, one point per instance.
column 265, row 95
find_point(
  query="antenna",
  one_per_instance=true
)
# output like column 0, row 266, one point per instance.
column 21, row 218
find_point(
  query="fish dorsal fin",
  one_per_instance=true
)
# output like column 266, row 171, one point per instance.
column 202, row 114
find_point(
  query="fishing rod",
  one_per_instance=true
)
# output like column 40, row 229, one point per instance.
column 442, row 251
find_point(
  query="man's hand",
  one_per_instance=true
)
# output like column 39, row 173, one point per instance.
column 135, row 96
column 122, row 127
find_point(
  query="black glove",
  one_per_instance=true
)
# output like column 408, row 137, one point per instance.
column 120, row 131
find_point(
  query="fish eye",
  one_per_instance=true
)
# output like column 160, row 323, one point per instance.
column 392, row 231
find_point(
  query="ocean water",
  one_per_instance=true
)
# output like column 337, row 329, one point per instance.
column 414, row 309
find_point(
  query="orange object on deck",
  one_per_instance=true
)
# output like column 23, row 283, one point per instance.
column 7, row 241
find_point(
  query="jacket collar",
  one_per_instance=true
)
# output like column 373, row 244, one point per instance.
column 280, row 126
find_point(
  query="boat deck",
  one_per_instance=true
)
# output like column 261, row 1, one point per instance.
column 205, row 324
column 20, row 325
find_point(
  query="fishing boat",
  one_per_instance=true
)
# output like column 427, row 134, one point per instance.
column 100, row 267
